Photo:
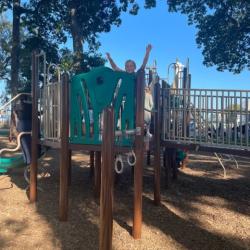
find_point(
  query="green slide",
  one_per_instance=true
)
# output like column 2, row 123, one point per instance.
column 10, row 162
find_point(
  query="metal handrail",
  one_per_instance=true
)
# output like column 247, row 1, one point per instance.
column 13, row 99
column 18, row 143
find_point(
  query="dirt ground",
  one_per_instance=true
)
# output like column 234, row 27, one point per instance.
column 201, row 210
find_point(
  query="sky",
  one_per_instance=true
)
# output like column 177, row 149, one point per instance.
column 171, row 38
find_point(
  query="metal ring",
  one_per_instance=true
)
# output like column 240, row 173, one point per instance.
column 119, row 166
column 130, row 155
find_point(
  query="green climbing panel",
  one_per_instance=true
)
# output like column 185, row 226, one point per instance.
column 90, row 94
column 7, row 163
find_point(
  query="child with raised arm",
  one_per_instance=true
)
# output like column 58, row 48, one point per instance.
column 130, row 65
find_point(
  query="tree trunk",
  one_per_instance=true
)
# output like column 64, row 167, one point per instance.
column 77, row 42
column 15, row 51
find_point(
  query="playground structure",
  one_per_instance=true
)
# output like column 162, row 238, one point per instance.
column 200, row 120
column 71, row 118
column 98, row 90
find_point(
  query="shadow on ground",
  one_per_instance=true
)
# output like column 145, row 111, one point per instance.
column 82, row 228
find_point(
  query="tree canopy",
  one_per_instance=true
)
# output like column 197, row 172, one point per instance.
column 48, row 24
column 5, row 47
column 223, row 30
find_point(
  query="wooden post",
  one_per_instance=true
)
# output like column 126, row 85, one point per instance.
column 139, row 150
column 167, row 167
column 98, row 162
column 173, row 164
column 157, row 150
column 148, row 157
column 70, row 168
column 106, row 200
column 170, row 154
column 91, row 163
column 64, row 154
column 34, row 136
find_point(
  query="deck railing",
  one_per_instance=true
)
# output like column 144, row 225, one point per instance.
column 207, row 117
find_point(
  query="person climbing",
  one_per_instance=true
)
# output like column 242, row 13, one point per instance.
column 22, row 121
column 130, row 65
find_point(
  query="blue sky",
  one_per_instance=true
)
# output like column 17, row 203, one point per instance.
column 171, row 38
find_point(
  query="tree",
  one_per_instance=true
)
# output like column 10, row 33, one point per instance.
column 17, row 10
column 47, row 25
column 5, row 48
column 82, row 20
column 223, row 31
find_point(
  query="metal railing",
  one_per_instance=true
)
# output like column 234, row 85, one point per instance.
column 5, row 110
column 50, row 110
column 49, row 103
column 207, row 117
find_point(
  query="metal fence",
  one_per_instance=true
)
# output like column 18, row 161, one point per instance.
column 50, row 101
column 50, row 110
column 207, row 117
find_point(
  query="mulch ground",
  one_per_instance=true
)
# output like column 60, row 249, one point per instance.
column 201, row 210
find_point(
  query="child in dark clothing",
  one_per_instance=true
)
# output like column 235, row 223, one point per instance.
column 22, row 119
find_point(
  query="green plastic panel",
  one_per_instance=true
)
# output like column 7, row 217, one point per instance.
column 90, row 94
column 11, row 162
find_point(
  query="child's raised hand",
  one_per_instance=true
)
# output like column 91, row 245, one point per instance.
column 108, row 55
column 148, row 48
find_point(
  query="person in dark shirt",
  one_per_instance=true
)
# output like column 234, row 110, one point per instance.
column 23, row 119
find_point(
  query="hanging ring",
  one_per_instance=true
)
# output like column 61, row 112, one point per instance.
column 119, row 166
column 131, row 158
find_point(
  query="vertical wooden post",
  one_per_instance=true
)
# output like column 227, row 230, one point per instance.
column 170, row 154
column 139, row 150
column 173, row 164
column 34, row 142
column 98, row 162
column 91, row 163
column 64, row 154
column 70, row 168
column 148, row 157
column 106, row 200
column 167, row 167
column 185, row 102
column 157, row 151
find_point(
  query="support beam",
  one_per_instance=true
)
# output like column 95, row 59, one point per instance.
column 34, row 135
column 64, row 154
column 106, row 200
column 167, row 167
column 97, row 172
column 148, row 157
column 157, row 150
column 70, row 167
column 173, row 164
column 92, row 163
column 139, row 152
